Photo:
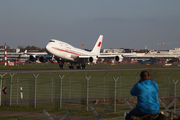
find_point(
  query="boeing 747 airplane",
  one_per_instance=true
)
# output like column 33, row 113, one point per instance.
column 64, row 52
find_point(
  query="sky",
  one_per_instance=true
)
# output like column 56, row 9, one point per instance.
column 123, row 23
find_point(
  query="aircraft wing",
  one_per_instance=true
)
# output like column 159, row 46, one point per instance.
column 153, row 56
column 34, row 56
column 37, row 54
column 107, row 56
column 95, row 57
column 135, row 55
column 98, row 56
column 86, row 56
column 118, row 58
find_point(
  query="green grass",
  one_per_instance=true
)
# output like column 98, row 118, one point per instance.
column 20, row 118
column 78, row 88
column 78, row 84
column 80, row 108
column 66, row 66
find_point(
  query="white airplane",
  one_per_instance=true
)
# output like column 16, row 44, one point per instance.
column 64, row 52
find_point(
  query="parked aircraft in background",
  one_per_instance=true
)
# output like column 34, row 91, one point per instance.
column 64, row 52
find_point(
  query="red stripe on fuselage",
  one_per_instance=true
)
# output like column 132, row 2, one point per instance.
column 99, row 44
column 67, row 51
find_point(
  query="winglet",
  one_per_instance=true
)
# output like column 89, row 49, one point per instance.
column 98, row 45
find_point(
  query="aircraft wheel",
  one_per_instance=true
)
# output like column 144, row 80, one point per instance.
column 78, row 67
column 71, row 67
column 83, row 66
column 61, row 66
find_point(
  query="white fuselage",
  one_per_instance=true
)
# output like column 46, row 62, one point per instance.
column 65, row 51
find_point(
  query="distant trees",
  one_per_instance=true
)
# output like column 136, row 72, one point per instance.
column 22, row 48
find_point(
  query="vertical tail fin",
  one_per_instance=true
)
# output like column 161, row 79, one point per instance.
column 25, row 51
column 98, row 45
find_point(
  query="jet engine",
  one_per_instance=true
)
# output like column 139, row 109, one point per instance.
column 32, row 58
column 90, row 59
column 117, row 58
column 42, row 59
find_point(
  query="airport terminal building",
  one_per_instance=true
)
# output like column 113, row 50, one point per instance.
column 12, row 54
column 164, row 56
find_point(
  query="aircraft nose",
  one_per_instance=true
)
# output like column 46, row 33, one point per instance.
column 47, row 48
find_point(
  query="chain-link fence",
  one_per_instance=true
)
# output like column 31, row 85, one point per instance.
column 74, row 91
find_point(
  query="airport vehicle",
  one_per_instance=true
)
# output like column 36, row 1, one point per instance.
column 64, row 52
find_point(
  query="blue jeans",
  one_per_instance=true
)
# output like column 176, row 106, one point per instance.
column 134, row 112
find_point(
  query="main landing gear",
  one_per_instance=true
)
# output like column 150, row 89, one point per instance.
column 82, row 66
column 61, row 65
column 79, row 66
column 71, row 66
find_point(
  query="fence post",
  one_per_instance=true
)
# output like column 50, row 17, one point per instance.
column 17, row 86
column 52, row 86
column 136, row 75
column 50, row 118
column 61, row 90
column 1, row 87
column 11, row 87
column 47, row 115
column 120, row 84
column 167, row 107
column 96, row 114
column 115, row 93
column 70, row 85
column 168, row 73
column 87, row 74
column 128, row 104
column 175, row 82
column 87, row 88
column 35, row 78
column 104, row 74
column 65, row 115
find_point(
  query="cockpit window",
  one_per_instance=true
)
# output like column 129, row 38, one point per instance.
column 51, row 41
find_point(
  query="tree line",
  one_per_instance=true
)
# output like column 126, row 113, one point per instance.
column 22, row 48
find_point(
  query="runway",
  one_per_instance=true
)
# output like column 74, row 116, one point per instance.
column 75, row 70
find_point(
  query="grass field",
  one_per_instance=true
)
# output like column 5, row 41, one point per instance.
column 78, row 88
column 20, row 118
column 66, row 66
